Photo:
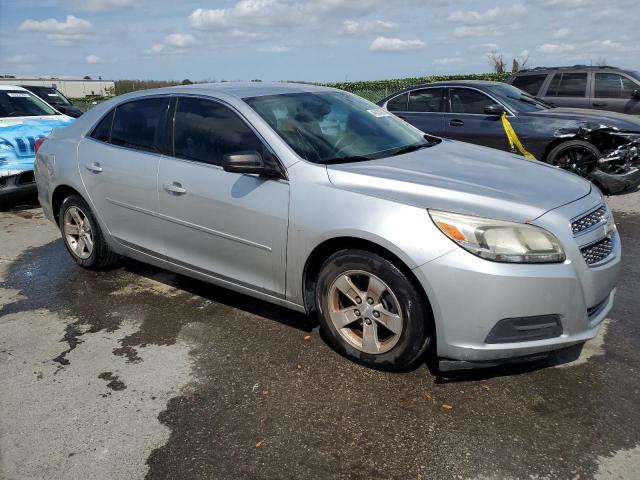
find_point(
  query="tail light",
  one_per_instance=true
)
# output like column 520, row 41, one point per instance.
column 36, row 145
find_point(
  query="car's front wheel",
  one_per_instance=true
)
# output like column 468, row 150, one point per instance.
column 371, row 311
column 82, row 235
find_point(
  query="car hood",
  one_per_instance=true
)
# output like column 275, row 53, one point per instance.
column 17, row 138
column 464, row 178
column 595, row 118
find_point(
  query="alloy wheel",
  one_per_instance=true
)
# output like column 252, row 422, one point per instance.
column 365, row 312
column 77, row 232
column 577, row 159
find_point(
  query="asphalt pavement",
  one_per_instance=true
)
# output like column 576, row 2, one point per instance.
column 137, row 372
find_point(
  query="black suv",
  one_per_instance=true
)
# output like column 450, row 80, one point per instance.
column 56, row 99
column 580, row 86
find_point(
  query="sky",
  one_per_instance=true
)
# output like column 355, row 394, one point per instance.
column 315, row 40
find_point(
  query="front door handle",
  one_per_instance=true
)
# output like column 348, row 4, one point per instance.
column 94, row 167
column 175, row 188
column 599, row 104
column 456, row 122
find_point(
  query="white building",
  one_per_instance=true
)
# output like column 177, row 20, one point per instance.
column 69, row 88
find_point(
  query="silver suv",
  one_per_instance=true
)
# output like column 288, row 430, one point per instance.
column 318, row 200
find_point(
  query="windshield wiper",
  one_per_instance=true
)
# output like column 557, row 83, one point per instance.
column 353, row 158
column 412, row 148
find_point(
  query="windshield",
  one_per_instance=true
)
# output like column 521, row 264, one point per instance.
column 51, row 95
column 20, row 103
column 336, row 127
column 517, row 99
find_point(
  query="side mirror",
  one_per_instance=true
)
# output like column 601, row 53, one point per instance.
column 247, row 162
column 494, row 109
column 636, row 94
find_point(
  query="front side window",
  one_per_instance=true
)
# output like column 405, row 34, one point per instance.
column 139, row 124
column 426, row 100
column 206, row 131
column 464, row 100
column 568, row 85
column 20, row 103
column 335, row 127
column 529, row 83
column 612, row 85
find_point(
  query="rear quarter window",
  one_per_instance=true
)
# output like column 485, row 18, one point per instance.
column 529, row 83
column 398, row 104
column 102, row 131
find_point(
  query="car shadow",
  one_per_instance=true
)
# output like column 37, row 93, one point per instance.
column 222, row 295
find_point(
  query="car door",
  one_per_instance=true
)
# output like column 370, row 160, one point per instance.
column 467, row 121
column 423, row 108
column 569, row 89
column 229, row 225
column 119, row 167
column 614, row 91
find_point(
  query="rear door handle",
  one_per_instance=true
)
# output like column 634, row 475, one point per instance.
column 456, row 123
column 94, row 167
column 175, row 188
column 599, row 104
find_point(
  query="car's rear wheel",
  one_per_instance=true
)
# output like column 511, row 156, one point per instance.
column 371, row 311
column 577, row 156
column 82, row 235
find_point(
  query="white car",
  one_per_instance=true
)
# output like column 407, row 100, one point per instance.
column 24, row 120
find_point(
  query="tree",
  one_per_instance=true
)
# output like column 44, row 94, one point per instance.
column 518, row 65
column 86, row 77
column 496, row 61
column 186, row 81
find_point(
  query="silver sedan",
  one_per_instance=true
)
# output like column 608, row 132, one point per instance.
column 320, row 201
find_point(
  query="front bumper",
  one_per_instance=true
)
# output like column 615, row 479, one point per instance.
column 18, row 187
column 469, row 296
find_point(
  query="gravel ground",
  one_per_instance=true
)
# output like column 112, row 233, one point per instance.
column 137, row 372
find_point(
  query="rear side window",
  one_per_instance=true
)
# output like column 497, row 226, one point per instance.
column 426, row 100
column 205, row 131
column 529, row 83
column 568, row 85
column 398, row 104
column 139, row 124
column 612, row 85
column 102, row 131
column 464, row 100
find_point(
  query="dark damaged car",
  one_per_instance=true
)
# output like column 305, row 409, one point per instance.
column 601, row 146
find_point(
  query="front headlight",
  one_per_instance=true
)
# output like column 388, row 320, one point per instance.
column 498, row 240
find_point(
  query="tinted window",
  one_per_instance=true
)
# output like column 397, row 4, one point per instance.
column 205, row 131
column 529, row 83
column 50, row 95
column 612, row 85
column 427, row 100
column 137, row 124
column 102, row 131
column 398, row 104
column 568, row 85
column 464, row 100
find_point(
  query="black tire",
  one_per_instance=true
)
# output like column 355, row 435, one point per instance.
column 555, row 156
column 417, row 329
column 101, row 256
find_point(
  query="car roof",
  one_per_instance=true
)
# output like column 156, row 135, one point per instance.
column 11, row 87
column 245, row 89
column 580, row 68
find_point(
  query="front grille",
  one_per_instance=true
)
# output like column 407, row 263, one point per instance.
column 590, row 220
column 25, row 145
column 597, row 252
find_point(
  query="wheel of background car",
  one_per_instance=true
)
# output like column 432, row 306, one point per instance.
column 82, row 235
column 576, row 156
column 371, row 311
